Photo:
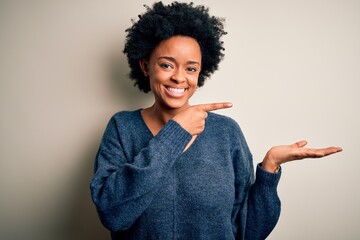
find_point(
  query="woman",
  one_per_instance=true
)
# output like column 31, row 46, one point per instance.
column 176, row 171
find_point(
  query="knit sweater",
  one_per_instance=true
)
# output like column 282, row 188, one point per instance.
column 147, row 187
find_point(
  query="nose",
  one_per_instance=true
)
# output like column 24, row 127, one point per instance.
column 178, row 76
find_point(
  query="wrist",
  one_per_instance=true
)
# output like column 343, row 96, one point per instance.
column 270, row 166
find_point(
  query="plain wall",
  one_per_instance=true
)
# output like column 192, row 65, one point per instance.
column 291, row 70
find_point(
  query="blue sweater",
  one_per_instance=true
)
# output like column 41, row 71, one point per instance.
column 146, row 187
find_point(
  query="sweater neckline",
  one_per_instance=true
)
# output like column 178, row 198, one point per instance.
column 147, row 129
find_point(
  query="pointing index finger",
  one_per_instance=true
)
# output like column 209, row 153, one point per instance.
column 214, row 106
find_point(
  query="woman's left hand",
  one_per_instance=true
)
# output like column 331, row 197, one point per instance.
column 286, row 153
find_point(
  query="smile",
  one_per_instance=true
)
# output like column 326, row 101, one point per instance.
column 176, row 92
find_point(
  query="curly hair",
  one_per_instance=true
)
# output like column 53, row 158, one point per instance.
column 162, row 22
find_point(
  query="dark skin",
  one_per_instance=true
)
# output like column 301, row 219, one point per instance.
column 173, row 70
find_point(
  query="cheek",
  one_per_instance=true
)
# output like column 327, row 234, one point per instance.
column 153, row 84
column 158, row 76
column 156, row 81
column 195, row 80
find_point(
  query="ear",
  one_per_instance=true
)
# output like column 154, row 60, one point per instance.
column 144, row 65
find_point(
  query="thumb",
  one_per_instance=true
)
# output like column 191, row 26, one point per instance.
column 299, row 144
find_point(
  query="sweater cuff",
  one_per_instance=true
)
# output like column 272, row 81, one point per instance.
column 173, row 136
column 266, row 178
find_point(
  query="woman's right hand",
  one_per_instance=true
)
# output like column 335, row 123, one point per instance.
column 193, row 118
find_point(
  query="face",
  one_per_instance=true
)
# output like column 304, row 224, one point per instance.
column 173, row 70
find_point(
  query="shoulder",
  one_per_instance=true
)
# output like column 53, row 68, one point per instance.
column 125, row 115
column 120, row 121
column 223, row 122
column 226, row 128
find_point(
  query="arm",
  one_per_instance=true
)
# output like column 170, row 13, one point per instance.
column 263, row 205
column 257, row 205
column 260, row 208
column 121, row 190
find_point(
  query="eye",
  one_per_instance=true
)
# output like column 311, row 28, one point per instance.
column 191, row 69
column 166, row 65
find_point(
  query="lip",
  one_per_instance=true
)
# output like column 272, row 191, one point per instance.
column 176, row 92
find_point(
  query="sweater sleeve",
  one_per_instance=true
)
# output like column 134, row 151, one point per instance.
column 257, row 205
column 123, row 188
column 263, row 209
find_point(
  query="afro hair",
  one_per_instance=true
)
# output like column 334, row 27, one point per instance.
column 164, row 21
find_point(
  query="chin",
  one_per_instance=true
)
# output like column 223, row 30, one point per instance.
column 176, row 105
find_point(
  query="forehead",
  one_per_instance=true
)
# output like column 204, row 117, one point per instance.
column 178, row 47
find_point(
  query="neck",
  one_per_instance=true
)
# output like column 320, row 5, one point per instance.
column 163, row 114
column 157, row 116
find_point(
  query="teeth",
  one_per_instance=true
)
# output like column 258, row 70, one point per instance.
column 176, row 90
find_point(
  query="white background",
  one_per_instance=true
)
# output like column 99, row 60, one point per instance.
column 291, row 70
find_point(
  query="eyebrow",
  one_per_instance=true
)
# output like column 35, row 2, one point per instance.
column 174, row 60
